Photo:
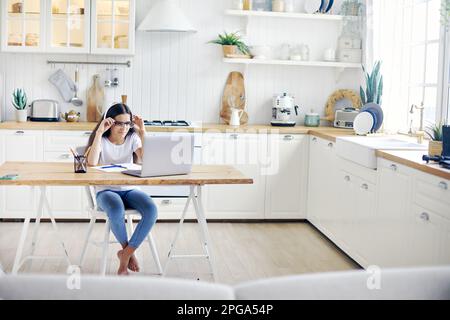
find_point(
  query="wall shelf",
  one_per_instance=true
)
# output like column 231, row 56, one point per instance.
column 341, row 65
column 290, row 15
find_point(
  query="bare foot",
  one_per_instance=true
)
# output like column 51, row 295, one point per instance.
column 133, row 264
column 124, row 260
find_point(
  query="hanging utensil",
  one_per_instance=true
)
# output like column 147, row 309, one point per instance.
column 75, row 100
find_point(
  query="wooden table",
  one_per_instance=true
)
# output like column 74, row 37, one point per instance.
column 44, row 174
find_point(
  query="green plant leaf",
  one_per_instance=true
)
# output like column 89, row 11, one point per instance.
column 363, row 95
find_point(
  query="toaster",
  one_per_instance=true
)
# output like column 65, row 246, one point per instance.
column 44, row 110
column 344, row 118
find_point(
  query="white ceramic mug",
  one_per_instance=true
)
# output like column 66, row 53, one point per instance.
column 329, row 54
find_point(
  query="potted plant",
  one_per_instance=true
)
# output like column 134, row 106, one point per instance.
column 434, row 132
column 445, row 13
column 19, row 101
column 374, row 86
column 231, row 42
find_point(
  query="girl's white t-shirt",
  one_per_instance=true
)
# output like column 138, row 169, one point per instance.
column 118, row 153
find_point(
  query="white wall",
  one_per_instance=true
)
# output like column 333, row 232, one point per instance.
column 180, row 76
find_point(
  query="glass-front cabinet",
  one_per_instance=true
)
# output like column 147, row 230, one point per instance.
column 23, row 25
column 68, row 26
column 112, row 26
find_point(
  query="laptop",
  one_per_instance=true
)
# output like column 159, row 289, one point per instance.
column 166, row 156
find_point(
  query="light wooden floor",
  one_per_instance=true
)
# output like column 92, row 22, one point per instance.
column 243, row 251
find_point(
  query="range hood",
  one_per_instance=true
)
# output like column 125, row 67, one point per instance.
column 165, row 16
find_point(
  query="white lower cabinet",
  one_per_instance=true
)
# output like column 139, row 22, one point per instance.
column 286, row 177
column 20, row 145
column 322, row 191
column 245, row 152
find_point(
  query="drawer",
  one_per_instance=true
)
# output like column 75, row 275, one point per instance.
column 434, row 193
column 63, row 140
column 58, row 156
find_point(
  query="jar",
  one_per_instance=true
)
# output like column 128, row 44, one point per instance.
column 247, row 4
column 305, row 52
column 312, row 119
column 289, row 5
column 238, row 5
column 278, row 5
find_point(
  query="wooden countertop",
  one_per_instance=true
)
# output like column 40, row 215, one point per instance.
column 329, row 133
column 62, row 174
column 413, row 159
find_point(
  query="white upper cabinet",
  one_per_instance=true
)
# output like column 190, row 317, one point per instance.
column 69, row 26
column 112, row 27
column 23, row 25
column 68, row 22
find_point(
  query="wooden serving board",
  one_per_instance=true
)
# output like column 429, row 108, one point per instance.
column 234, row 87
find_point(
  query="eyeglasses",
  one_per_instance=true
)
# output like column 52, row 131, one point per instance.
column 128, row 124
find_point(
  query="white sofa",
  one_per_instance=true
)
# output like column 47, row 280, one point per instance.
column 423, row 283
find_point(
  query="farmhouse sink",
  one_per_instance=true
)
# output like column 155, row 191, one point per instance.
column 361, row 150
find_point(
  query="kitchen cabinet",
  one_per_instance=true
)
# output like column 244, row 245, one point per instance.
column 113, row 27
column 245, row 152
column 286, row 174
column 393, row 211
column 68, row 23
column 322, row 190
column 20, row 145
column 66, row 202
column 23, row 25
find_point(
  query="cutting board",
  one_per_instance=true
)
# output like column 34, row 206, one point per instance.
column 95, row 100
column 235, row 89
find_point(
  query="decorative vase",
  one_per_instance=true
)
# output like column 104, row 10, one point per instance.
column 229, row 50
column 21, row 115
column 435, row 148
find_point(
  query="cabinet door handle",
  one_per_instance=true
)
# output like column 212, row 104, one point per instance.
column 166, row 202
column 393, row 167
column 347, row 178
column 314, row 139
column 425, row 216
column 87, row 133
column 20, row 132
column 288, row 138
column 65, row 156
column 234, row 136
column 365, row 186
column 330, row 145
column 443, row 185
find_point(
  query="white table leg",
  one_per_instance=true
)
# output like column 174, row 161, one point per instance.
column 43, row 202
column 180, row 224
column 40, row 212
column 201, row 218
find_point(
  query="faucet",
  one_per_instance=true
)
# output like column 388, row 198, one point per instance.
column 419, row 133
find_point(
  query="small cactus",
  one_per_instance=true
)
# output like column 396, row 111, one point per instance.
column 19, row 99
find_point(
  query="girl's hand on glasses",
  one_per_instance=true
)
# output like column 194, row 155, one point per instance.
column 138, row 124
column 105, row 125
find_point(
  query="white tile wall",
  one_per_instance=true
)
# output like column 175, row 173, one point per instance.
column 181, row 76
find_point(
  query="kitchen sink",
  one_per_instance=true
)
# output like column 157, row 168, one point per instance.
column 361, row 150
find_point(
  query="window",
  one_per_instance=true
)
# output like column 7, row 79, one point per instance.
column 409, row 39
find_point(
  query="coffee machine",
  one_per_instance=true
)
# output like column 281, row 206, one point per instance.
column 282, row 111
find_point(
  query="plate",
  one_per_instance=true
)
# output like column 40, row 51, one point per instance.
column 363, row 123
column 375, row 120
column 330, row 5
column 312, row 6
column 378, row 112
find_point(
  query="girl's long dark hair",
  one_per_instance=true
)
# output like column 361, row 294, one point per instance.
column 112, row 112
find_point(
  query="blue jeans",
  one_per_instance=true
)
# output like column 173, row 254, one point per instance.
column 114, row 204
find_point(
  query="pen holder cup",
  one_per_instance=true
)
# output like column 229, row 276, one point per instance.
column 80, row 164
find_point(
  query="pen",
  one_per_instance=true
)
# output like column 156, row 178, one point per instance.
column 112, row 166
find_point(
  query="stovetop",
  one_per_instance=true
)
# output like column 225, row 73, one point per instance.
column 167, row 123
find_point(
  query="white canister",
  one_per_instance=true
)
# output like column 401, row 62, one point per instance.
column 278, row 5
column 329, row 54
column 288, row 5
column 238, row 4
column 350, row 55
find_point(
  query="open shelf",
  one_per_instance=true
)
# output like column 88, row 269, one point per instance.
column 294, row 63
column 290, row 15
